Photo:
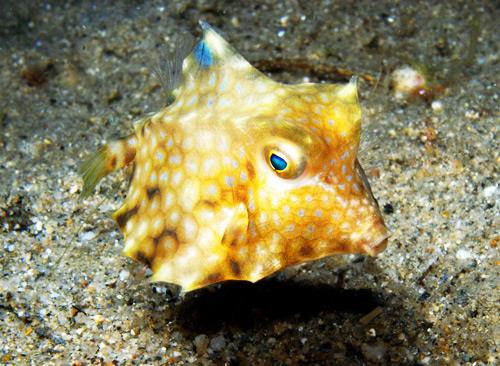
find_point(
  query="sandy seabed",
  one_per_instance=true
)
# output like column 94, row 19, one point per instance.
column 73, row 76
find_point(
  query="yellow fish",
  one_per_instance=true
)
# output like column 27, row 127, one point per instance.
column 241, row 176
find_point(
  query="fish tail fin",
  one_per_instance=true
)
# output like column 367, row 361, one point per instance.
column 110, row 157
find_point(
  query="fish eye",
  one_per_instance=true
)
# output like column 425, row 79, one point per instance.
column 286, row 161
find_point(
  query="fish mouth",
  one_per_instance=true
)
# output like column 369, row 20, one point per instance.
column 375, row 246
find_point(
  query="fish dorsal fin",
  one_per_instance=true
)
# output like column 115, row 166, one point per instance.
column 213, row 52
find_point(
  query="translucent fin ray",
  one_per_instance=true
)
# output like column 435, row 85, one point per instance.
column 93, row 170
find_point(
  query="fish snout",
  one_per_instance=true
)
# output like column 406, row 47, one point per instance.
column 374, row 238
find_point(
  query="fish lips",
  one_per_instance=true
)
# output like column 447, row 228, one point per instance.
column 377, row 245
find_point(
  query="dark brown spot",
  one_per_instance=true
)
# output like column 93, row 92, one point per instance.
column 123, row 218
column 342, row 246
column 112, row 163
column 151, row 192
column 232, row 237
column 305, row 250
column 227, row 240
column 37, row 74
column 141, row 257
column 214, row 277
column 250, row 170
column 161, row 253
column 327, row 178
column 131, row 176
column 211, row 204
column 129, row 155
column 113, row 96
column 235, row 267
column 171, row 233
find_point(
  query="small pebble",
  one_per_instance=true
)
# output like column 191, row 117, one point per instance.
column 406, row 80
column 374, row 353
column 437, row 106
column 388, row 209
column 124, row 275
column 87, row 236
column 74, row 188
column 472, row 114
column 218, row 343
column 201, row 344
column 99, row 319
column 74, row 311
column 38, row 226
column 489, row 191
column 463, row 254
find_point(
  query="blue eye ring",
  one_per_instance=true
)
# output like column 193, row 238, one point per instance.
column 277, row 162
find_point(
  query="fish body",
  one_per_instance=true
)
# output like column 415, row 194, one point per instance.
column 241, row 176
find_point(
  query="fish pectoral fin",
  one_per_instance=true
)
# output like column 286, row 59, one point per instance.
column 108, row 158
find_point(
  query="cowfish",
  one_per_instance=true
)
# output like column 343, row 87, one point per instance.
column 240, row 176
